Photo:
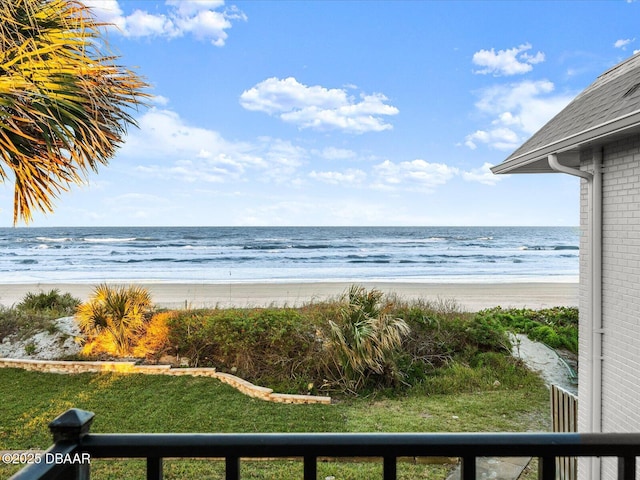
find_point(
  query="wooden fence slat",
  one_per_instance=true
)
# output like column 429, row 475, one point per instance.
column 564, row 418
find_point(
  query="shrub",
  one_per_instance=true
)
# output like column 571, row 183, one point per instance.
column 51, row 303
column 276, row 346
column 365, row 341
column 9, row 322
column 438, row 336
column 114, row 318
column 155, row 339
column 557, row 327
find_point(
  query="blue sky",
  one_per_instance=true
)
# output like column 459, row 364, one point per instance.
column 344, row 113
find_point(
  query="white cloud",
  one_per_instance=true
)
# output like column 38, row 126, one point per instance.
column 498, row 138
column 623, row 42
column 333, row 153
column 513, row 61
column 413, row 175
column 483, row 175
column 282, row 157
column 167, row 147
column 192, row 7
column 516, row 110
column 203, row 19
column 351, row 176
column 318, row 107
column 159, row 100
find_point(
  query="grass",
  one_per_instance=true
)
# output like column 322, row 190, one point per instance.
column 138, row 403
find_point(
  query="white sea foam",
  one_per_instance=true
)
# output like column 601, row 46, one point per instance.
column 109, row 240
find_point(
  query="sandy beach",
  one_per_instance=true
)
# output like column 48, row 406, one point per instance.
column 469, row 296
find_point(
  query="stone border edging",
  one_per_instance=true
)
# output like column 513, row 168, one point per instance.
column 247, row 388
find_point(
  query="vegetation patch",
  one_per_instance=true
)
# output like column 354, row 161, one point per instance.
column 362, row 343
column 35, row 313
column 557, row 327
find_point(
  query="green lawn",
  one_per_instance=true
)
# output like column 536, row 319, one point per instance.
column 139, row 403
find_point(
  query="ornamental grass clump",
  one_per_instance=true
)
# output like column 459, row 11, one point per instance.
column 52, row 304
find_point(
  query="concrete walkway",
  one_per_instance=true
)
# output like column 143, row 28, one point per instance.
column 496, row 468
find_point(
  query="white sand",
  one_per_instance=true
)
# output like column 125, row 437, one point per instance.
column 469, row 296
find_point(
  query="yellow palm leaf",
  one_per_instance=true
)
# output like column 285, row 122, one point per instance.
column 64, row 103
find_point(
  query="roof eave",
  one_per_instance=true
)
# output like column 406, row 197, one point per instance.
column 535, row 161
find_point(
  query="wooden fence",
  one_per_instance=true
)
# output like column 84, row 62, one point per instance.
column 564, row 414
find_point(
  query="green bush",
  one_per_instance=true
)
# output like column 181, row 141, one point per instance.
column 272, row 346
column 556, row 327
column 51, row 303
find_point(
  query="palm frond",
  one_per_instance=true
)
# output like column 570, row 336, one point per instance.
column 65, row 104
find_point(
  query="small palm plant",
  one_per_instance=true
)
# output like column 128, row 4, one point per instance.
column 115, row 317
column 366, row 338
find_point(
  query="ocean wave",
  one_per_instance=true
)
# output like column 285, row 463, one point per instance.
column 54, row 239
column 370, row 261
column 109, row 239
column 277, row 247
column 549, row 247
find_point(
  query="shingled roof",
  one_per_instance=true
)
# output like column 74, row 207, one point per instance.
column 608, row 108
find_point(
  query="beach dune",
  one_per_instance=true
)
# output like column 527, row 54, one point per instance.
column 469, row 296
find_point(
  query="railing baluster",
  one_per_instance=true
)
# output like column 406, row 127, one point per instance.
column 232, row 468
column 626, row 468
column 154, row 468
column 468, row 468
column 310, row 468
column 390, row 471
column 547, row 468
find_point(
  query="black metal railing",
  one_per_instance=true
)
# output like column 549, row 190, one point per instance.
column 74, row 447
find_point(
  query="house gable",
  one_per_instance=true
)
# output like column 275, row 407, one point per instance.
column 608, row 108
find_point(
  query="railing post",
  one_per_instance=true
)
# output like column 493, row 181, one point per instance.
column 310, row 468
column 232, row 468
column 70, row 427
column 468, row 468
column 626, row 468
column 154, row 468
column 546, row 468
column 390, row 469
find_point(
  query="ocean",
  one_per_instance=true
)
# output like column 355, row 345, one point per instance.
column 288, row 254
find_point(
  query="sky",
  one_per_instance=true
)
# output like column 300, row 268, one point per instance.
column 270, row 113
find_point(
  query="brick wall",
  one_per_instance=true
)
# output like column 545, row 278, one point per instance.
column 621, row 292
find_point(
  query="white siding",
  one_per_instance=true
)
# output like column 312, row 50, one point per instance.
column 620, row 296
